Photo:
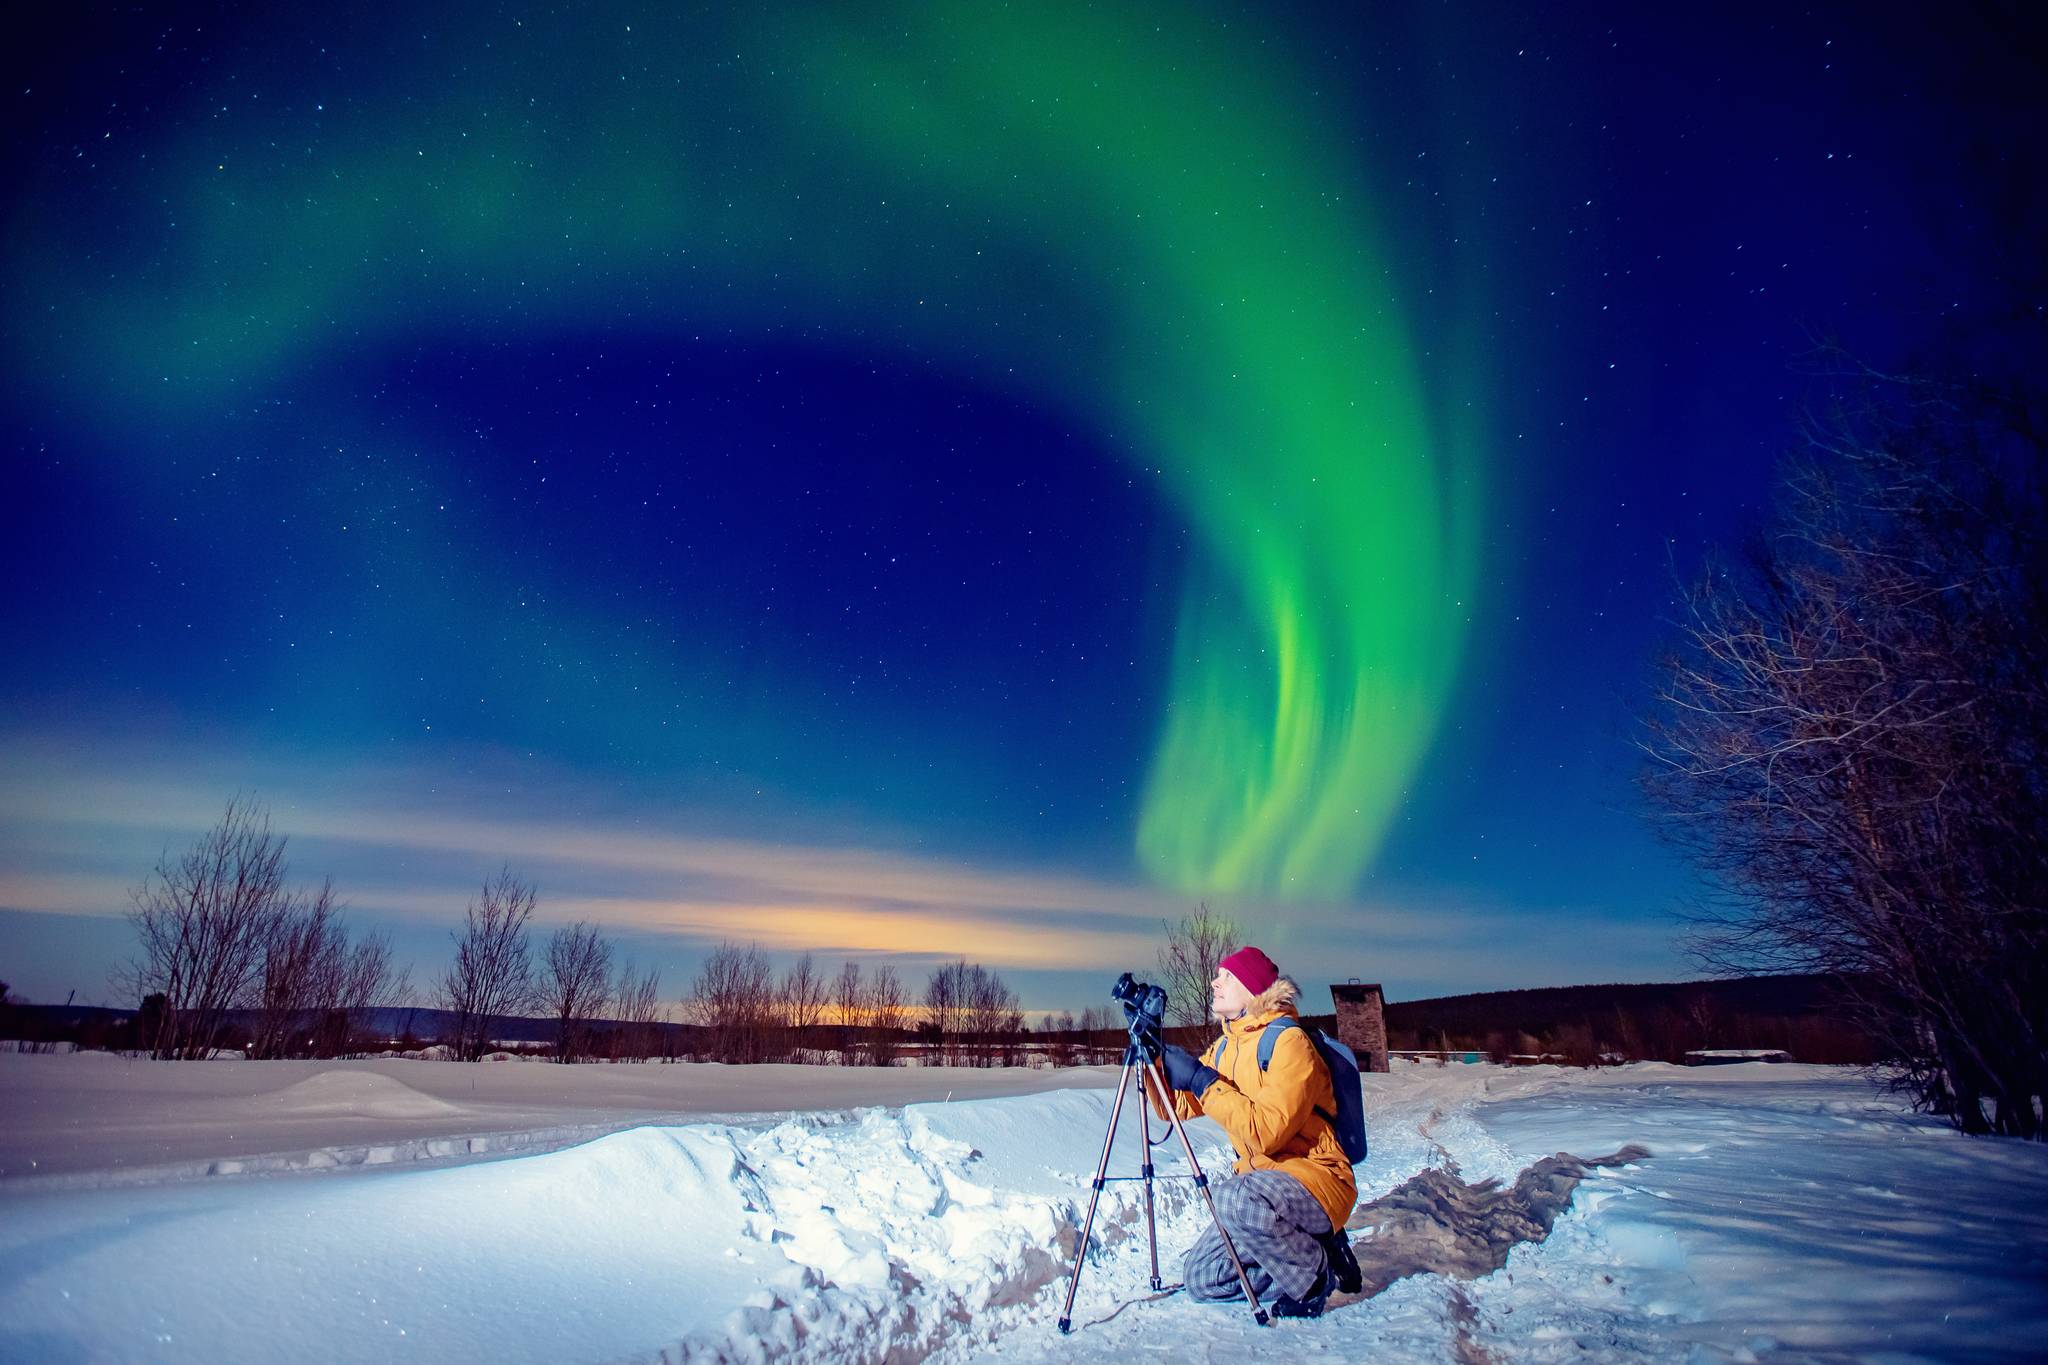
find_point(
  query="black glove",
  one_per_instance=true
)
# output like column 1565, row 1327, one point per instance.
column 1183, row 1072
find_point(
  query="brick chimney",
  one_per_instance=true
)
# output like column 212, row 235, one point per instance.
column 1362, row 1023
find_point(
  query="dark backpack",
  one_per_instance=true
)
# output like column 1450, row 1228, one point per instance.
column 1349, row 1120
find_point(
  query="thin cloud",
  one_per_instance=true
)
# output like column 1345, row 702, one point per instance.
column 78, row 841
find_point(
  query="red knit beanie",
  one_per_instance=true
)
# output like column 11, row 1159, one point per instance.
column 1253, row 969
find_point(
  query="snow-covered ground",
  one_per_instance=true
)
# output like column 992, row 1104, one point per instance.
column 1775, row 1212
column 96, row 1118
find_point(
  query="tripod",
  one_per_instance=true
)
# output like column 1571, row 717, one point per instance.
column 1141, row 1057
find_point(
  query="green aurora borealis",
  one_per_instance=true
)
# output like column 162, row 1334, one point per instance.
column 1152, row 225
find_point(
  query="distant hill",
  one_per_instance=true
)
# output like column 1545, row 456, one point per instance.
column 1544, row 1007
column 1805, row 1015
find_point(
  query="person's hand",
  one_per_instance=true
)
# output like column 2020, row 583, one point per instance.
column 1183, row 1072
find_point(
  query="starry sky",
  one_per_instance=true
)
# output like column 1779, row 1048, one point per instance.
column 917, row 480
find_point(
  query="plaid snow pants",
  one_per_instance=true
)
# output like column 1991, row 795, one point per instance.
column 1274, row 1222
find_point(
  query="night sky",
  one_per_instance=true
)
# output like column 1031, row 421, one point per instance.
column 937, row 479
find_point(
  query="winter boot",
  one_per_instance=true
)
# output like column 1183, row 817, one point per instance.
column 1343, row 1265
column 1309, row 1305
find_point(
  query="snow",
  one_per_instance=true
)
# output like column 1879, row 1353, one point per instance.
column 97, row 1118
column 1775, row 1212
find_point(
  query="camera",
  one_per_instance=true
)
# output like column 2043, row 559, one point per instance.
column 1144, row 1008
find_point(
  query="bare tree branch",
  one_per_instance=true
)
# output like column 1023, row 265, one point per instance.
column 1187, row 964
column 575, row 984
column 492, row 975
column 204, row 920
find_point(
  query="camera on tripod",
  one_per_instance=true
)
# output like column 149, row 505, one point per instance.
column 1144, row 1009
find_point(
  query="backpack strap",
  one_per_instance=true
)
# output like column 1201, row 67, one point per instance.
column 1267, row 1036
column 1270, row 1035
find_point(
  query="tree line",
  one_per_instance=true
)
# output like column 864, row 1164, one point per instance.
column 577, row 980
column 230, row 951
column 966, row 1015
column 233, row 955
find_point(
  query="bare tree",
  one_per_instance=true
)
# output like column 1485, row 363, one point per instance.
column 733, row 999
column 370, row 980
column 639, row 1011
column 882, row 1013
column 1852, row 737
column 339, row 983
column 849, row 998
column 1011, row 1036
column 203, row 919
column 969, row 1009
column 1059, row 1031
column 575, row 983
column 1101, row 1035
column 303, row 950
column 492, row 975
column 945, row 1010
column 1187, row 964
column 804, row 997
column 993, row 1018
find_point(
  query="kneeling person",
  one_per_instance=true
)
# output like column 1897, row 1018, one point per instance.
column 1293, row 1186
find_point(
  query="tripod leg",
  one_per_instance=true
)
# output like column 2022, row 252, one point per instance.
column 1095, row 1195
column 1151, row 1223
column 1150, row 1074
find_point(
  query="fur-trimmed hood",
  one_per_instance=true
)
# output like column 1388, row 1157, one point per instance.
column 1280, row 995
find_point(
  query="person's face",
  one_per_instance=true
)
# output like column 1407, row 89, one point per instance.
column 1227, row 996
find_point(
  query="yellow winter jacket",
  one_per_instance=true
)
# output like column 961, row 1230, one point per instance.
column 1271, row 1115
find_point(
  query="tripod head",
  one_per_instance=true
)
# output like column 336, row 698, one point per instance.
column 1144, row 1013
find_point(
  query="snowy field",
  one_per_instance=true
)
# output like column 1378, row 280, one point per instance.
column 1778, row 1213
column 95, row 1118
